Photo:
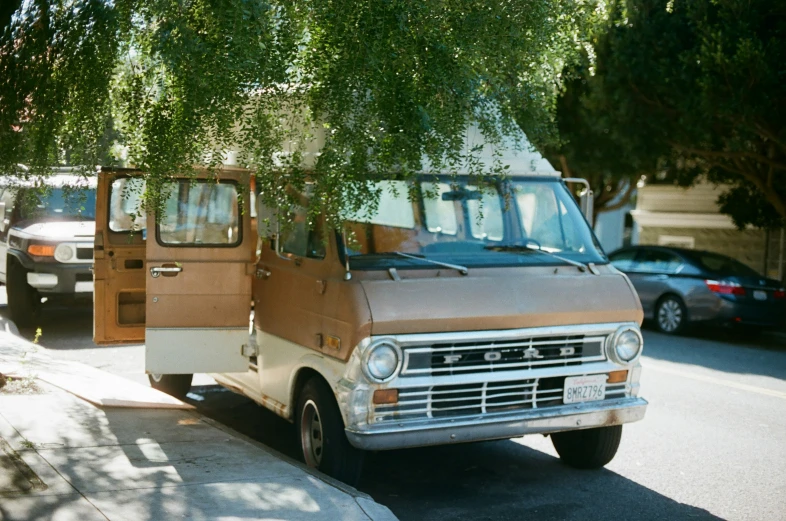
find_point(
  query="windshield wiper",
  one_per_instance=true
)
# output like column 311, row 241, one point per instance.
column 461, row 269
column 521, row 248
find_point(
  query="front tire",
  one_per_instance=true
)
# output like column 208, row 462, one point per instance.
column 176, row 385
column 588, row 448
column 24, row 301
column 671, row 315
column 320, row 428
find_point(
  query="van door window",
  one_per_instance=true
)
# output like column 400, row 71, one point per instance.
column 200, row 213
column 125, row 206
column 301, row 239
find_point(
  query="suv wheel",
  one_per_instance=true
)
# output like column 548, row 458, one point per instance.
column 24, row 302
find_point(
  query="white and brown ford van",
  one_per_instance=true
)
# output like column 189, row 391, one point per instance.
column 465, row 315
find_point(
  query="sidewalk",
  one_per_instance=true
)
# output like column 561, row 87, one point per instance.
column 64, row 458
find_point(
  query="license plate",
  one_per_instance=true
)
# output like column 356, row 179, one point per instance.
column 760, row 295
column 584, row 388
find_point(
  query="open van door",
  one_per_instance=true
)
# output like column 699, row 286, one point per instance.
column 199, row 257
column 119, row 259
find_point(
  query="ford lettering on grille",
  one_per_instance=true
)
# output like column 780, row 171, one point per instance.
column 489, row 356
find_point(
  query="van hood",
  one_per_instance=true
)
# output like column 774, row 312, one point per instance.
column 57, row 230
column 495, row 299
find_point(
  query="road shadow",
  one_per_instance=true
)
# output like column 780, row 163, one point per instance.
column 506, row 480
column 716, row 351
column 247, row 417
column 478, row 481
column 750, row 336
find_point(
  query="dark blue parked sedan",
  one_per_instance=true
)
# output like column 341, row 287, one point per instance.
column 678, row 286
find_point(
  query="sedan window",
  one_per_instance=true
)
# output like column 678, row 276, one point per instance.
column 721, row 264
column 624, row 260
column 656, row 261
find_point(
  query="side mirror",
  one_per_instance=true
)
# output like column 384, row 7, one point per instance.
column 3, row 222
column 586, row 197
column 587, row 203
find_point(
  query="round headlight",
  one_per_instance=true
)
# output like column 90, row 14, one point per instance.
column 382, row 361
column 627, row 344
column 64, row 252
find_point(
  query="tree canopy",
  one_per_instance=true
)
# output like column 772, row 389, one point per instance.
column 169, row 84
column 588, row 144
column 695, row 89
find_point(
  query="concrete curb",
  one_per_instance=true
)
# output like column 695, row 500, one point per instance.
column 373, row 510
column 7, row 325
column 352, row 491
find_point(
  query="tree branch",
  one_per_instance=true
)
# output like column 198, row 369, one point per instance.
column 729, row 155
column 565, row 168
column 622, row 202
column 771, row 196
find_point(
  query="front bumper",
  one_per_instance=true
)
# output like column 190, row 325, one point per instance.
column 499, row 425
column 51, row 278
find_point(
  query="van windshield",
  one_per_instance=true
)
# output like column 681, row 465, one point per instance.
column 452, row 221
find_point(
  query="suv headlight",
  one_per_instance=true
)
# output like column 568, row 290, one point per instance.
column 382, row 361
column 64, row 252
column 625, row 345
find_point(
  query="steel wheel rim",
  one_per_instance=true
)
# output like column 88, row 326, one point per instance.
column 311, row 434
column 670, row 315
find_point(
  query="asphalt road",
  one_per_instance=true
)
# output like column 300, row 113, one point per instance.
column 712, row 445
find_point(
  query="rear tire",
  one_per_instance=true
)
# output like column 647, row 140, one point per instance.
column 176, row 385
column 323, row 443
column 24, row 301
column 588, row 448
column 671, row 315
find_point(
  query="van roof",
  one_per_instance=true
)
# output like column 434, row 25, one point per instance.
column 60, row 177
column 515, row 151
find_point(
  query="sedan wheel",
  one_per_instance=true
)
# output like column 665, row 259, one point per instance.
column 670, row 315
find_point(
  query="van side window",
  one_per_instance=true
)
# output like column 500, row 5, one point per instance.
column 302, row 240
column 200, row 213
column 125, row 211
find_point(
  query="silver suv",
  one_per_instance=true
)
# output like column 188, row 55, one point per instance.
column 46, row 242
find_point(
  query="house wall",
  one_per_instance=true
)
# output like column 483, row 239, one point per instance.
column 746, row 246
column 610, row 228
column 690, row 218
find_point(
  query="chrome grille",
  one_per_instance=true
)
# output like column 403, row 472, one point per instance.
column 489, row 356
column 440, row 401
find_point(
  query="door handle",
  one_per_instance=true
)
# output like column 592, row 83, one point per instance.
column 263, row 274
column 158, row 270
